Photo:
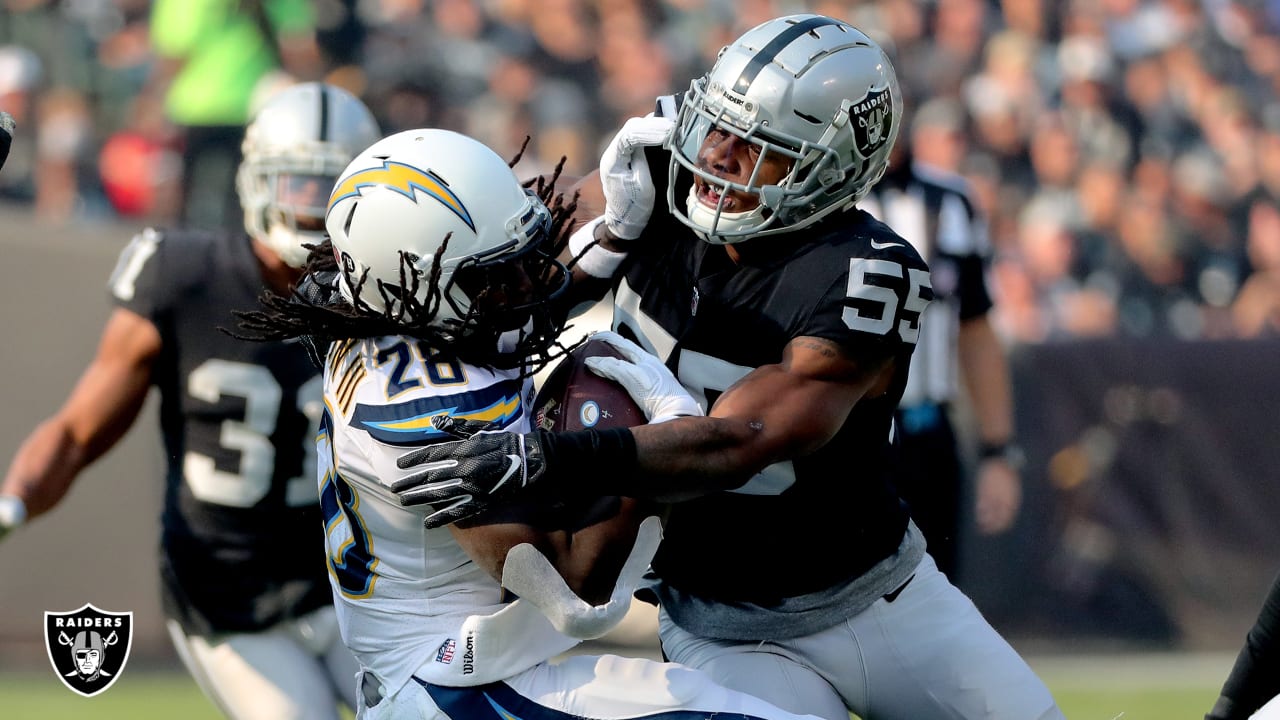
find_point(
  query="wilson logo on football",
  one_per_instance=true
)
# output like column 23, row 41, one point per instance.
column 88, row 648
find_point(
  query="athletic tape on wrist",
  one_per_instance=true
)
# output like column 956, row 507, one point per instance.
column 596, row 261
column 529, row 574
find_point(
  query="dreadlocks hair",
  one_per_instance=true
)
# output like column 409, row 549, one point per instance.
column 316, row 312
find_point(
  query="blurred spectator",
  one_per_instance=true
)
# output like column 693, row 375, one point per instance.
column 20, row 72
column 634, row 69
column 339, row 34
column 1152, row 282
column 937, row 137
column 1070, row 108
column 140, row 170
column 1216, row 257
column 1103, row 126
column 1037, row 295
column 1136, row 29
column 1100, row 188
column 215, row 58
column 941, row 66
column 1055, row 159
column 65, row 127
column 1256, row 309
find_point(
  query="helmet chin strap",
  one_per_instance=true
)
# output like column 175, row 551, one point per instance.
column 289, row 243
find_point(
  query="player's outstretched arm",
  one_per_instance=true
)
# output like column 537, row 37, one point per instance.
column 614, row 204
column 486, row 469
column 986, row 374
column 774, row 413
column 98, row 412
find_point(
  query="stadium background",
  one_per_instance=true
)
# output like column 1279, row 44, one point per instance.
column 1082, row 615
column 1143, row 336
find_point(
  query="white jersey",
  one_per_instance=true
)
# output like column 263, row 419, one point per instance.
column 410, row 602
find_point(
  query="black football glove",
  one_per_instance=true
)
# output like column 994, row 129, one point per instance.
column 465, row 477
column 320, row 289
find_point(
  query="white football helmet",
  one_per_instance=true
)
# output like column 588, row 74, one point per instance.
column 431, row 227
column 294, row 148
column 811, row 88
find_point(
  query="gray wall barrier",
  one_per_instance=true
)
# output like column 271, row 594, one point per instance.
column 1153, row 494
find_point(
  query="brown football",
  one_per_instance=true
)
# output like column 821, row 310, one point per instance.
column 574, row 398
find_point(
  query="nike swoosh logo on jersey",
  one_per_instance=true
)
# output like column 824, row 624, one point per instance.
column 884, row 246
column 511, row 470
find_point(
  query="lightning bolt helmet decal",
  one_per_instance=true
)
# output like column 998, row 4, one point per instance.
column 406, row 180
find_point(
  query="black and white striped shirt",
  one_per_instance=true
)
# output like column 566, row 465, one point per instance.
column 932, row 209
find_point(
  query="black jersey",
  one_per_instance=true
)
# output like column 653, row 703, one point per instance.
column 848, row 279
column 242, row 544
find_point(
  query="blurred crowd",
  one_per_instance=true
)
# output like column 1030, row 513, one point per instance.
column 1125, row 152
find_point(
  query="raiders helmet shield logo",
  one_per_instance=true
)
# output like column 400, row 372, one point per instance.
column 873, row 119
column 88, row 648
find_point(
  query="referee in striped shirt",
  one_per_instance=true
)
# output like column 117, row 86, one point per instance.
column 928, row 204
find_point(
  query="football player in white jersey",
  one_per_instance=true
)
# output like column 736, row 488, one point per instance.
column 433, row 310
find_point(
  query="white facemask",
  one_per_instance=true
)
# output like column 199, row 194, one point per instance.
column 288, row 244
column 508, row 340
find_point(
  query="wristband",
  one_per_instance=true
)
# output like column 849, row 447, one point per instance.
column 594, row 462
column 589, row 255
column 1006, row 451
column 13, row 512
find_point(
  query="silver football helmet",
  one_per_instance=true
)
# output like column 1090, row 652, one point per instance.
column 811, row 89
column 432, row 228
column 294, row 148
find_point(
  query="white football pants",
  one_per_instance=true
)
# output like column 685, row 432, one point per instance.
column 927, row 655
column 296, row 670
column 581, row 687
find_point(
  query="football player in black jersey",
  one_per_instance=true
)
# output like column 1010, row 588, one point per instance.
column 790, row 567
column 242, row 552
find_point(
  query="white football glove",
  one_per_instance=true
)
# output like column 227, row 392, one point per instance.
column 624, row 173
column 13, row 512
column 644, row 377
